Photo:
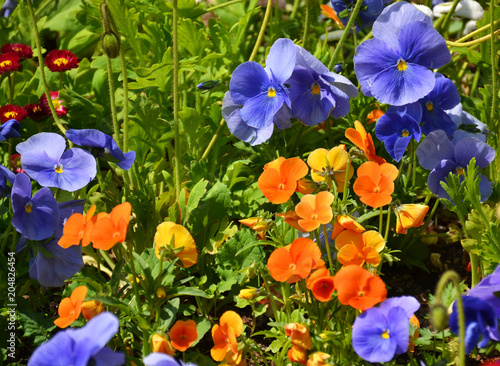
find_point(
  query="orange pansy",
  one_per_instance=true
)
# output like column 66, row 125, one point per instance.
column 292, row 219
column 359, row 288
column 258, row 225
column 358, row 248
column 278, row 181
column 92, row 308
column 295, row 261
column 78, row 228
column 344, row 222
column 299, row 334
column 330, row 164
column 183, row 334
column 315, row 210
column 374, row 115
column 321, row 284
column 306, row 186
column 224, row 336
column 363, row 141
column 297, row 354
column 160, row 344
column 71, row 307
column 375, row 183
column 318, row 359
column 410, row 215
column 188, row 255
column 112, row 229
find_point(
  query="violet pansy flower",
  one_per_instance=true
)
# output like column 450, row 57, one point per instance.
column 83, row 346
column 44, row 159
column 162, row 359
column 487, row 288
column 9, row 129
column 371, row 9
column 104, row 145
column 394, row 66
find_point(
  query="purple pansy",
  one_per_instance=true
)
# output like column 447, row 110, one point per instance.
column 487, row 289
column 397, row 127
column 37, row 217
column 6, row 175
column 380, row 333
column 481, row 323
column 443, row 97
column 43, row 158
column 162, row 359
column 105, row 146
column 394, row 65
column 467, row 124
column 9, row 129
column 81, row 347
column 315, row 92
column 442, row 156
column 371, row 9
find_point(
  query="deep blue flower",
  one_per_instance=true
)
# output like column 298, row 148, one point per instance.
column 442, row 156
column 487, row 288
column 36, row 218
column 7, row 8
column 443, row 97
column 371, row 9
column 9, row 129
column 480, row 322
column 467, row 124
column 394, row 65
column 81, row 347
column 104, row 146
column 207, row 85
column 380, row 333
column 317, row 93
column 6, row 175
column 162, row 359
column 397, row 127
column 43, row 158
column 261, row 93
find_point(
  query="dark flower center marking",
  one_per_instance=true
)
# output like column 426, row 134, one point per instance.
column 29, row 207
column 316, row 90
column 460, row 170
column 405, row 133
column 429, row 106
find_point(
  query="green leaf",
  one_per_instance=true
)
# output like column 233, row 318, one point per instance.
column 168, row 313
column 197, row 192
column 33, row 324
column 186, row 291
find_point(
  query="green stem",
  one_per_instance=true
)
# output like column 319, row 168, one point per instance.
column 327, row 245
column 448, row 17
column 127, row 175
column 477, row 31
column 346, row 179
column 212, row 8
column 494, row 76
column 387, row 224
column 213, row 140
column 262, row 29
column 111, row 83
column 294, row 9
column 476, row 41
column 46, row 88
column 177, row 137
column 349, row 25
column 307, row 23
column 381, row 221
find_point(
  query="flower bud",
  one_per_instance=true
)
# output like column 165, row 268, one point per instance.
column 111, row 44
column 439, row 317
column 92, row 308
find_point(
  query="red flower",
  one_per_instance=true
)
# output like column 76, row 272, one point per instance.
column 10, row 111
column 61, row 60
column 22, row 50
column 35, row 111
column 58, row 104
column 15, row 163
column 9, row 62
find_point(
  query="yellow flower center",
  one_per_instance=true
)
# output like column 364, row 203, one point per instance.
column 61, row 61
column 402, row 65
column 5, row 63
column 429, row 106
column 271, row 92
column 292, row 266
column 58, row 168
column 316, row 90
column 361, row 293
column 405, row 133
column 281, row 187
column 385, row 335
column 10, row 114
column 460, row 171
column 56, row 103
column 28, row 208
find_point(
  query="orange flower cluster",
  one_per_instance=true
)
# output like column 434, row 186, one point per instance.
column 278, row 181
column 225, row 343
column 330, row 164
column 358, row 248
column 183, row 334
column 344, row 222
column 321, row 284
column 184, row 246
column 103, row 230
column 363, row 141
column 410, row 215
column 314, row 210
column 375, row 183
column 359, row 288
column 301, row 342
column 295, row 261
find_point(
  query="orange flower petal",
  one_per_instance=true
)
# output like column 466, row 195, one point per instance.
column 374, row 240
column 160, row 344
column 273, row 187
column 293, row 169
column 72, row 231
column 231, row 319
column 350, row 255
column 183, row 334
column 281, row 265
column 389, row 171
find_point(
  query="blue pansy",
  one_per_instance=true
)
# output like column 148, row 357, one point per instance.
column 371, row 9
column 443, row 97
column 394, row 65
column 487, row 290
column 315, row 92
column 481, row 322
column 261, row 92
column 467, row 124
column 379, row 334
column 441, row 156
column 104, row 146
column 81, row 347
column 37, row 217
column 397, row 127
column 43, row 158
column 7, row 8
column 6, row 175
column 9, row 129
column 162, row 359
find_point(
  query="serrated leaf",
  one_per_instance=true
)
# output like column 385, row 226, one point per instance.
column 275, row 346
column 35, row 325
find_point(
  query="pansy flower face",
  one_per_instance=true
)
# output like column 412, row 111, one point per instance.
column 61, row 60
column 394, row 66
column 330, row 165
column 9, row 62
column 45, row 160
column 9, row 111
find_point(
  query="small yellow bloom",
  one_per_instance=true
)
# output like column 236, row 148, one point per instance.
column 92, row 308
column 161, row 344
column 160, row 292
column 318, row 359
column 332, row 164
column 184, row 245
column 248, row 293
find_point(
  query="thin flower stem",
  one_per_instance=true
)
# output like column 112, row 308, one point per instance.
column 349, row 25
column 128, row 174
column 477, row 31
column 387, row 224
column 474, row 42
column 381, row 220
column 46, row 88
column 327, row 245
column 307, row 23
column 212, row 8
column 494, row 92
column 177, row 136
column 213, row 140
column 271, row 298
column 294, row 9
column 262, row 29
column 111, row 83
column 346, row 178
column 447, row 18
